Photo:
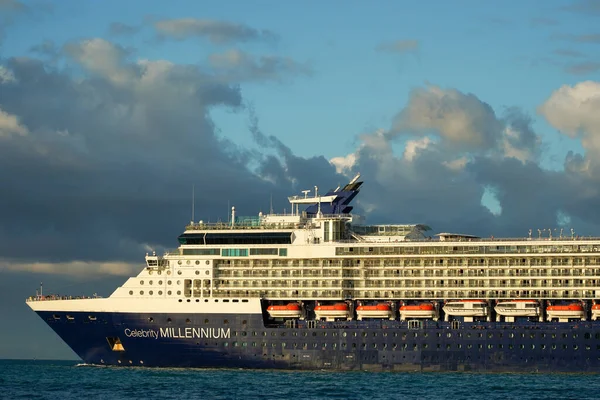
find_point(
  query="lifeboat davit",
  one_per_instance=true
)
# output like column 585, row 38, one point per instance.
column 468, row 309
column 332, row 312
column 422, row 310
column 565, row 312
column 509, row 309
column 381, row 310
column 595, row 312
column 290, row 310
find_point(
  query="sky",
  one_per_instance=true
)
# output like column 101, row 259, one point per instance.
column 468, row 116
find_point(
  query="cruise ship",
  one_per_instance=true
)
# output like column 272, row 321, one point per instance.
column 318, row 288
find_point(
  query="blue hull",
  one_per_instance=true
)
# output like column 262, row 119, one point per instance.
column 244, row 341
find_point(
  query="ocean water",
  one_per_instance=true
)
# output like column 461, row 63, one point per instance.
column 70, row 380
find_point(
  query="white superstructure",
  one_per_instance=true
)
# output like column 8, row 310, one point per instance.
column 326, row 254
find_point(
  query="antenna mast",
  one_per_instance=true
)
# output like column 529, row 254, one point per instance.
column 193, row 201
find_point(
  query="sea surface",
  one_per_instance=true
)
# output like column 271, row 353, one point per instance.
column 71, row 380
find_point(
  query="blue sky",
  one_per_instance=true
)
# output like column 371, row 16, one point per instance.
column 478, row 117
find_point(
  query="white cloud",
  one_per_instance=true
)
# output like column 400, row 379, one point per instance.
column 344, row 164
column 238, row 65
column 456, row 165
column 102, row 57
column 6, row 75
column 462, row 120
column 9, row 125
column 218, row 32
column 414, row 146
column 510, row 137
column 573, row 110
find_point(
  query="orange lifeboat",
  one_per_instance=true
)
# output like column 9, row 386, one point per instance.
column 380, row 310
column 331, row 312
column 290, row 310
column 595, row 312
column 421, row 310
column 565, row 312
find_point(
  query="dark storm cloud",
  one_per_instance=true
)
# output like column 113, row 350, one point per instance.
column 99, row 165
column 218, row 32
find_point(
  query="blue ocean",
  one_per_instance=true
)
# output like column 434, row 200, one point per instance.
column 71, row 380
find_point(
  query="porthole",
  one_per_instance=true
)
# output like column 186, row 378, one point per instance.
column 159, row 272
column 141, row 282
column 197, row 262
column 169, row 292
column 178, row 272
column 197, row 272
column 150, row 319
column 188, row 262
column 206, row 321
column 178, row 292
column 188, row 321
column 169, row 282
column 179, row 262
column 131, row 292
column 169, row 320
column 149, row 272
column 168, row 272
column 207, row 272
column 141, row 292
column 179, row 282
column 151, row 293
column 150, row 282
column 160, row 282
column 207, row 262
